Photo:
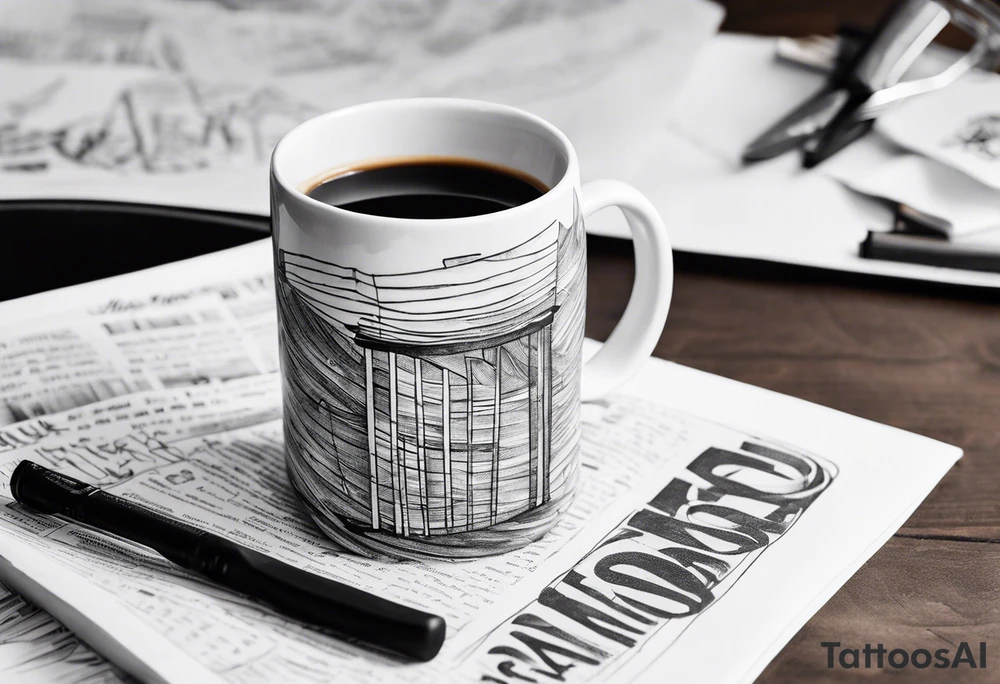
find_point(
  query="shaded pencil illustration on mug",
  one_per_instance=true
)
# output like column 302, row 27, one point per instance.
column 435, row 403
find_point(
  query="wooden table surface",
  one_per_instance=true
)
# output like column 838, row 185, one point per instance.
column 920, row 358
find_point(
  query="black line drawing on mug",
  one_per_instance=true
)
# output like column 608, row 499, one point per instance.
column 435, row 403
column 980, row 136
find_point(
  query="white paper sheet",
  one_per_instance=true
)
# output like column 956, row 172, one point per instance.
column 214, row 458
column 958, row 204
column 774, row 210
column 35, row 648
column 52, row 362
column 126, row 344
column 181, row 103
column 958, row 126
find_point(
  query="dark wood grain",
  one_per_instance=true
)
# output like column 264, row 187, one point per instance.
column 807, row 17
column 913, row 594
column 922, row 358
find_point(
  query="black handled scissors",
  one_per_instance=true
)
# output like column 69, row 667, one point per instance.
column 866, row 82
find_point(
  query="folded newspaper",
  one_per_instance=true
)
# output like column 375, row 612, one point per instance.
column 713, row 518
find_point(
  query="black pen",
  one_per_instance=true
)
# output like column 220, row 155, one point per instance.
column 931, row 251
column 293, row 592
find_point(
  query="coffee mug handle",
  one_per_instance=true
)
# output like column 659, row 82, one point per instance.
column 634, row 338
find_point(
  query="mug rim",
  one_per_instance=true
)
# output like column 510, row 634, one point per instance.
column 427, row 103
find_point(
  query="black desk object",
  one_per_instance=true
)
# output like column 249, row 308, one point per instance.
column 299, row 594
column 930, row 251
column 46, row 244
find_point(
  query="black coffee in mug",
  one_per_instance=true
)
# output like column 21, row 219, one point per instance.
column 426, row 188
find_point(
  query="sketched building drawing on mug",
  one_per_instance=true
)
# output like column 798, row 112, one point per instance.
column 434, row 402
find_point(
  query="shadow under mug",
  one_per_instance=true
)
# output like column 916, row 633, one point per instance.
column 432, row 368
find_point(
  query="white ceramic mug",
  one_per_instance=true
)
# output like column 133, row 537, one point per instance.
column 432, row 369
